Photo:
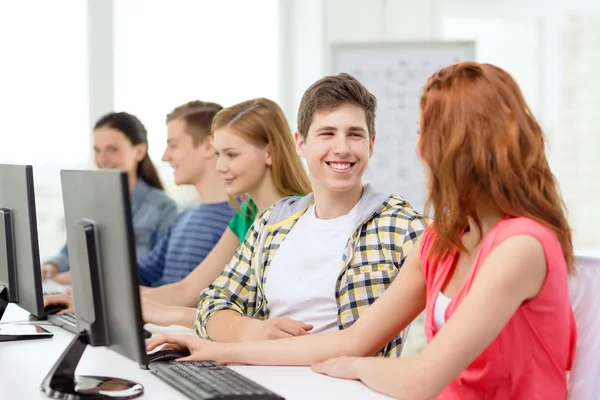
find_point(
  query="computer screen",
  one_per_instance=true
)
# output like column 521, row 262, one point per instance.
column 20, row 273
column 105, row 283
column 104, row 274
column 103, row 260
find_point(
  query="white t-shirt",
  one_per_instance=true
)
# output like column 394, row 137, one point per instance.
column 301, row 279
column 439, row 310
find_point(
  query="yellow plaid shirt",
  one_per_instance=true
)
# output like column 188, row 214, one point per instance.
column 371, row 261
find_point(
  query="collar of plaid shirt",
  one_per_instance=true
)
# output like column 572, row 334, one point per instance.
column 370, row 261
column 287, row 211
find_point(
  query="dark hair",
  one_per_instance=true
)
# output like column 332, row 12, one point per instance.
column 198, row 116
column 332, row 92
column 130, row 126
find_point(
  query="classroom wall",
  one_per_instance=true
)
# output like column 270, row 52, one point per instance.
column 532, row 39
column 539, row 45
column 313, row 25
column 535, row 40
column 382, row 20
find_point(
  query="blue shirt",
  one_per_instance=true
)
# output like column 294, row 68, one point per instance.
column 153, row 213
column 191, row 237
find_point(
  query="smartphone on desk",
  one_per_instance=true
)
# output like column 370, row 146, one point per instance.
column 14, row 332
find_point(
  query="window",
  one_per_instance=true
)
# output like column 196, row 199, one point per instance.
column 44, row 100
column 168, row 53
column 43, row 79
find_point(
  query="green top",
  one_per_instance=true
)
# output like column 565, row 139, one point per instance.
column 243, row 219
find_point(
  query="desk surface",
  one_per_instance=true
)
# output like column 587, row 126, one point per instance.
column 26, row 363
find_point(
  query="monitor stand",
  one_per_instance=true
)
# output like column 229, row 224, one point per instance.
column 10, row 332
column 3, row 300
column 62, row 383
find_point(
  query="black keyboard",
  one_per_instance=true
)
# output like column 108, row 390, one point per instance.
column 68, row 322
column 205, row 380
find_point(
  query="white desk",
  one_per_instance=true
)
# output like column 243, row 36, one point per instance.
column 24, row 365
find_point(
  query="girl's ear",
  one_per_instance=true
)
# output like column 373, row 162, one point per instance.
column 268, row 157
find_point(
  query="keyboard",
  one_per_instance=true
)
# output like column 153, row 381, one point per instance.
column 69, row 317
column 66, row 321
column 207, row 380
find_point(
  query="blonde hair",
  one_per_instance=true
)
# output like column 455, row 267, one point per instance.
column 262, row 122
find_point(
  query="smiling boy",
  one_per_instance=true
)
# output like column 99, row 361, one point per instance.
column 191, row 154
column 314, row 264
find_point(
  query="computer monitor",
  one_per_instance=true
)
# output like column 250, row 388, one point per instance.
column 20, row 274
column 104, row 276
column 105, row 287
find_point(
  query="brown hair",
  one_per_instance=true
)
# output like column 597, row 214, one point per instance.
column 480, row 140
column 332, row 92
column 198, row 116
column 262, row 122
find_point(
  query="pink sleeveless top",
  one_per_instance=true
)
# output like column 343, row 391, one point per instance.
column 528, row 360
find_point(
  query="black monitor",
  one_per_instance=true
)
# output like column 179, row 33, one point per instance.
column 104, row 273
column 107, row 300
column 20, row 273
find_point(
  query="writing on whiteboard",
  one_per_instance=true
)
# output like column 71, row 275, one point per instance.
column 395, row 73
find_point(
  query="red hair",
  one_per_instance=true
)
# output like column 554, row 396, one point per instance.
column 480, row 140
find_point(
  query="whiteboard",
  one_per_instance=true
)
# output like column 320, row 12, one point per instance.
column 395, row 73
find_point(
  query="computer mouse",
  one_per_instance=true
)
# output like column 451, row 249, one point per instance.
column 147, row 334
column 168, row 355
column 52, row 309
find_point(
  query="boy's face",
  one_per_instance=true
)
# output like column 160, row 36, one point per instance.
column 337, row 148
column 189, row 162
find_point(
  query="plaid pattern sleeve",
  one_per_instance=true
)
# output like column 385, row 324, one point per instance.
column 415, row 228
column 382, row 245
column 236, row 288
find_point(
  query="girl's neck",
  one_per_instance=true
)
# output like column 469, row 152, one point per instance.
column 265, row 194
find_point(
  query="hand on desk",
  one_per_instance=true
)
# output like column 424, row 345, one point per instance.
column 62, row 299
column 200, row 349
column 341, row 367
column 205, row 350
column 276, row 328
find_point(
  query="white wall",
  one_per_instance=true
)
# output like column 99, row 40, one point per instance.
column 529, row 44
column 302, row 58
column 382, row 20
column 550, row 15
column 313, row 25
column 306, row 30
column 523, row 36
